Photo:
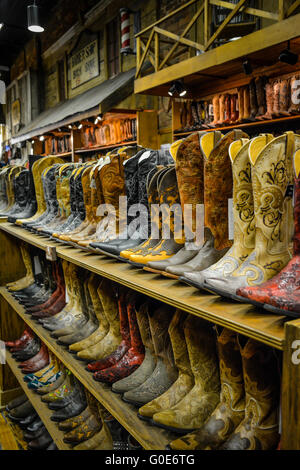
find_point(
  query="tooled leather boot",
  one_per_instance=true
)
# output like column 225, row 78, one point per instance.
column 190, row 178
column 259, row 430
column 185, row 381
column 192, row 411
column 231, row 410
column 269, row 102
column 116, row 356
column 294, row 102
column 271, row 174
column 216, row 110
column 147, row 367
column 217, row 191
column 134, row 356
column 241, row 103
column 221, row 110
column 165, row 372
column 28, row 279
column 243, row 210
column 284, row 97
column 169, row 201
column 260, row 96
column 57, row 302
column 253, row 100
column 276, row 98
column 112, row 339
column 281, row 293
column 234, row 113
column 247, row 107
column 101, row 440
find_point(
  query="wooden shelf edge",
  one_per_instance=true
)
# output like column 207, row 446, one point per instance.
column 150, row 437
column 240, row 126
column 191, row 301
column 40, row 407
column 104, row 147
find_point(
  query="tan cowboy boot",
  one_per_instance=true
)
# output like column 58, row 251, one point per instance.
column 29, row 277
column 192, row 411
column 231, row 410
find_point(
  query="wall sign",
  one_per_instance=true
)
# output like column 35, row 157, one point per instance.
column 84, row 64
column 16, row 113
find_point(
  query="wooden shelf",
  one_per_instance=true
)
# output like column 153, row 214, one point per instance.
column 270, row 122
column 40, row 407
column 104, row 147
column 150, row 437
column 242, row 318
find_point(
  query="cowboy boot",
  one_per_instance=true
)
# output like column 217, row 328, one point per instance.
column 192, row 411
column 241, row 104
column 284, row 97
column 169, row 198
column 222, row 110
column 259, row 430
column 216, row 110
column 134, row 356
column 271, row 175
column 103, row 325
column 234, row 114
column 227, row 114
column 276, row 98
column 247, row 107
column 260, row 96
column 243, row 210
column 217, row 191
column 294, row 102
column 125, row 344
column 231, row 410
column 28, row 279
column 101, row 441
column 113, row 337
column 253, row 100
column 87, row 428
column 147, row 367
column 280, row 294
column 190, row 178
column 165, row 373
column 185, row 381
column 270, row 102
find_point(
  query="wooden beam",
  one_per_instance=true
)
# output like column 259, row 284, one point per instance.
column 161, row 20
column 292, row 8
column 187, row 42
column 138, row 51
column 250, row 11
column 225, row 23
column 254, row 42
column 206, row 21
column 156, row 52
column 281, row 10
column 150, row 54
column 181, row 37
column 144, row 53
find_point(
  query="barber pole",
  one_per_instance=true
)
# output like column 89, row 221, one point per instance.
column 125, row 31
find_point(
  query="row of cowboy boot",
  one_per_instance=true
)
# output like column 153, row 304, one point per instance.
column 247, row 415
column 11, row 177
column 269, row 228
column 203, row 179
column 280, row 293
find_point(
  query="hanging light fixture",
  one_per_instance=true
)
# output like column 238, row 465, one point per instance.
column 177, row 87
column 288, row 57
column 33, row 19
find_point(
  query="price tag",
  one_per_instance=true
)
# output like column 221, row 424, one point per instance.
column 51, row 253
column 230, row 219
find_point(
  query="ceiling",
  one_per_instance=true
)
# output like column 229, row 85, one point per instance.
column 13, row 36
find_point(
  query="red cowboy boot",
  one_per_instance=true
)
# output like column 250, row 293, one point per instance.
column 125, row 344
column 20, row 343
column 281, row 294
column 59, row 302
column 52, row 299
column 133, row 358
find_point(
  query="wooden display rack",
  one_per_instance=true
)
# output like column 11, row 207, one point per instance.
column 275, row 331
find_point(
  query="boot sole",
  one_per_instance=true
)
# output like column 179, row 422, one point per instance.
column 145, row 418
column 170, row 428
column 134, row 403
column 278, row 311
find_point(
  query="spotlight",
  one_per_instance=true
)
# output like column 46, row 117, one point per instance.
column 33, row 19
column 288, row 57
column 80, row 126
column 42, row 138
column 70, row 126
column 177, row 87
column 96, row 120
column 247, row 67
column 32, row 142
column 1, row 26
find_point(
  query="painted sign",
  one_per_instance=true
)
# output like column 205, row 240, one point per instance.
column 84, row 64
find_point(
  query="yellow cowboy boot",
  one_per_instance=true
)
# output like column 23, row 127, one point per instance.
column 95, row 290
column 113, row 338
column 29, row 277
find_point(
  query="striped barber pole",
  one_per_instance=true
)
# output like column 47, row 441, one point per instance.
column 125, row 31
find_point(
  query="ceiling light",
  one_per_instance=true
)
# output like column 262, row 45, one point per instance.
column 96, row 120
column 247, row 67
column 32, row 142
column 70, row 126
column 42, row 138
column 80, row 126
column 177, row 87
column 1, row 26
column 33, row 19
column 288, row 57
